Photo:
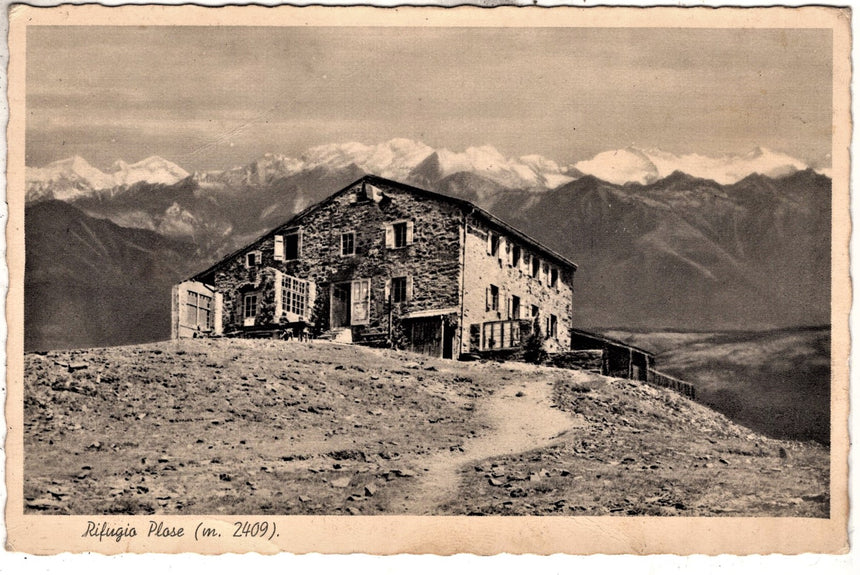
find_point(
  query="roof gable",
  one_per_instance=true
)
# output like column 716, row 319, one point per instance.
column 465, row 205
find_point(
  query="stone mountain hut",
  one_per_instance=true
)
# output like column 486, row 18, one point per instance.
column 384, row 263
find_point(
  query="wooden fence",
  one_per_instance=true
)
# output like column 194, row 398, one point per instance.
column 662, row 380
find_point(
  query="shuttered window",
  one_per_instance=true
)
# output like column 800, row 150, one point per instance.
column 515, row 307
column 293, row 245
column 279, row 248
column 493, row 298
column 399, row 234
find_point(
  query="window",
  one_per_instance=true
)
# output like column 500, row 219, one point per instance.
column 553, row 277
column 544, row 273
column 399, row 234
column 515, row 307
column 493, row 244
column 198, row 310
column 515, row 256
column 535, row 311
column 552, row 326
column 293, row 246
column 493, row 298
column 294, row 294
column 398, row 290
column 347, row 244
column 249, row 305
column 251, row 259
column 535, row 267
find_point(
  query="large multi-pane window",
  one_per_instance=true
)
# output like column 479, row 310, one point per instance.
column 295, row 296
column 198, row 310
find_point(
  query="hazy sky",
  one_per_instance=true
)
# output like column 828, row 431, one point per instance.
column 212, row 98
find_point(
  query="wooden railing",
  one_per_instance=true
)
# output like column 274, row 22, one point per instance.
column 662, row 380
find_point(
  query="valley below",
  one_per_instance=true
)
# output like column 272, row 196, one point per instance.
column 776, row 381
column 217, row 426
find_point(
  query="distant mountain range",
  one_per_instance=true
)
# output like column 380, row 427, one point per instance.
column 74, row 177
column 669, row 250
column 403, row 159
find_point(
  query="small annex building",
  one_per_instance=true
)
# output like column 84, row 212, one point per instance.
column 384, row 263
column 618, row 359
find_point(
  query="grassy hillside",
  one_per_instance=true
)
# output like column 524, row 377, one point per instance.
column 776, row 382
column 271, row 427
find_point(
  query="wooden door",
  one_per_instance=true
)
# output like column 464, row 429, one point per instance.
column 425, row 336
column 340, row 305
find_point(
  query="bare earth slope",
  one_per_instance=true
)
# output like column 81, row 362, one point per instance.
column 271, row 427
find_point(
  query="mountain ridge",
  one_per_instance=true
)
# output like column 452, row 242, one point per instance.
column 404, row 159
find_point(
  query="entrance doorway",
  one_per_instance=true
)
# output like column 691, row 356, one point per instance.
column 340, row 305
column 350, row 303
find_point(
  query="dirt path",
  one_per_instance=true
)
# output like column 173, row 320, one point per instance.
column 519, row 423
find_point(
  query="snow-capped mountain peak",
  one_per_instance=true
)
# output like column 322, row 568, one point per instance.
column 154, row 169
column 532, row 172
column 393, row 159
column 65, row 179
column 645, row 166
column 75, row 177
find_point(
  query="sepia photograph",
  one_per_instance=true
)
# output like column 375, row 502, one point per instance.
column 479, row 266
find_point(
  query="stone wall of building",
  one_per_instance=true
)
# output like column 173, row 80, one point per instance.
column 487, row 264
column 432, row 261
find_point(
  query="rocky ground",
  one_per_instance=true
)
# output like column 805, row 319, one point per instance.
column 272, row 427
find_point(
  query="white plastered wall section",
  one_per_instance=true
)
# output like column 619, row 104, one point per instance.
column 482, row 269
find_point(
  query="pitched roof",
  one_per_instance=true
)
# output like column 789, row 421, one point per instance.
column 609, row 340
column 373, row 179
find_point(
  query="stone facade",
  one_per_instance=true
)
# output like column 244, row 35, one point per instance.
column 390, row 263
